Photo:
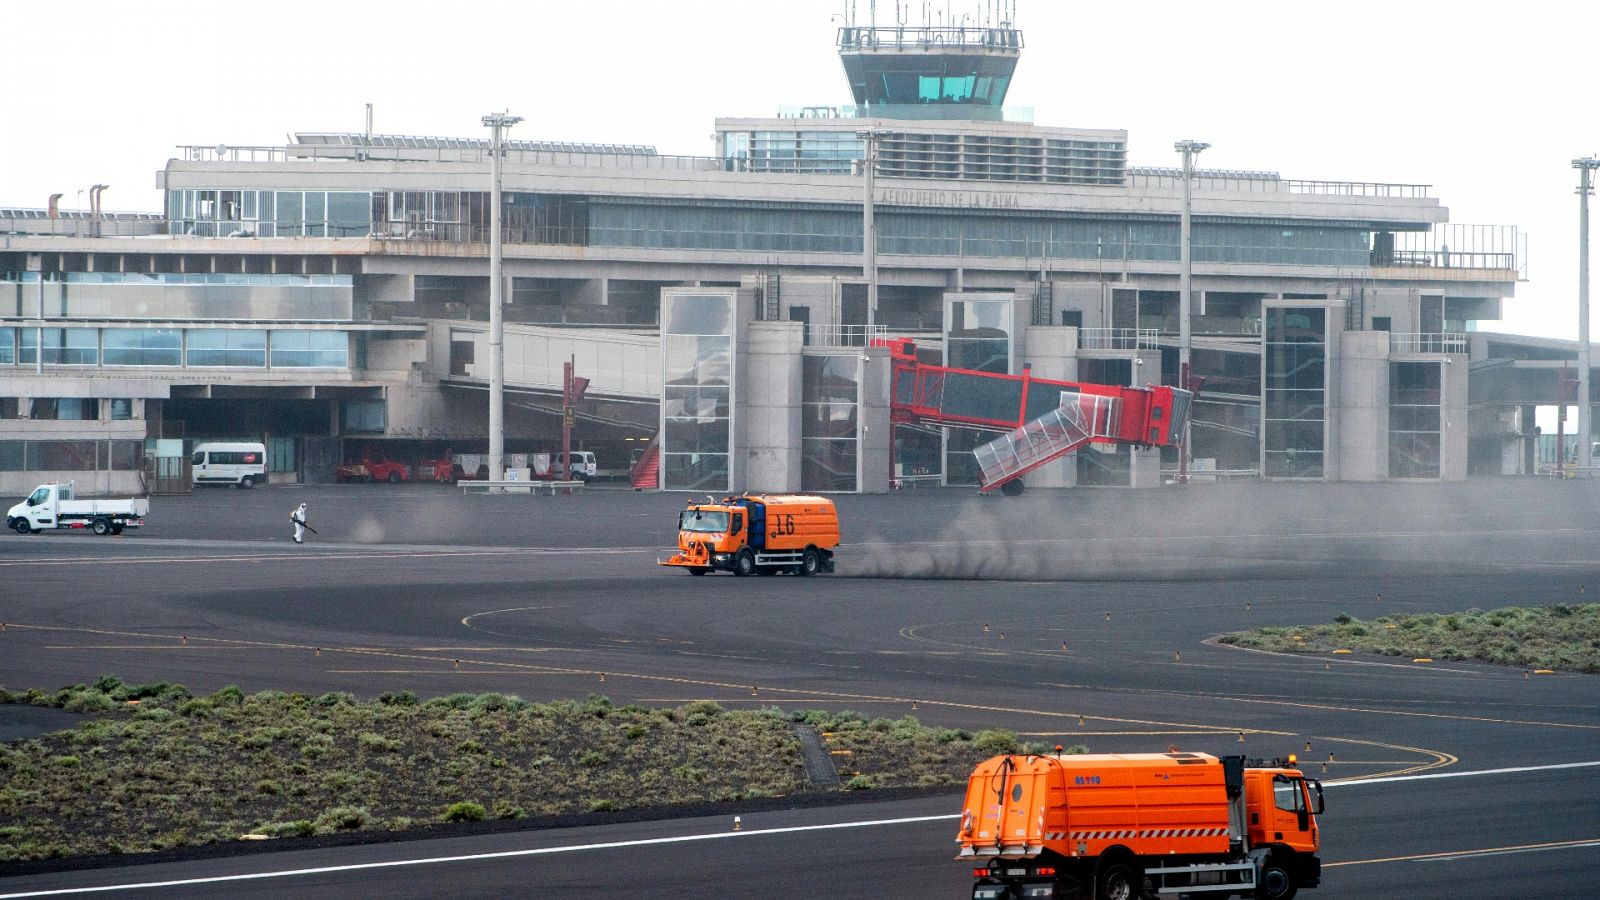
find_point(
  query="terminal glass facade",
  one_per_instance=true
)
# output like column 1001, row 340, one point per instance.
column 142, row 347
column 697, row 402
column 1414, row 433
column 59, row 346
column 1294, row 404
column 830, row 407
column 227, row 347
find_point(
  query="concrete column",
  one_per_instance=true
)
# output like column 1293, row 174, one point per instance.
column 1145, row 469
column 1530, row 440
column 1362, row 442
column 873, row 417
column 1454, row 433
column 1052, row 351
column 771, row 408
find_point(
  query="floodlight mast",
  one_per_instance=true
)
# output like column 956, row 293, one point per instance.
column 1189, row 149
column 497, row 123
column 1585, row 167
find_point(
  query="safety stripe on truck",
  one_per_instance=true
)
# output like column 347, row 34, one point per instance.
column 1129, row 833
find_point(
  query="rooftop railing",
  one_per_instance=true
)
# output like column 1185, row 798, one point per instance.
column 1117, row 339
column 843, row 335
column 1427, row 342
column 875, row 37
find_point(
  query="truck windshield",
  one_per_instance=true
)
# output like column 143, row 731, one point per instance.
column 703, row 520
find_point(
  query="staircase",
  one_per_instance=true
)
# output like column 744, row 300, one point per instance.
column 1079, row 419
column 646, row 474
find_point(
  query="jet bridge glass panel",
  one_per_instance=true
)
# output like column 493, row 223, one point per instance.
column 979, row 335
column 697, row 358
column 1294, row 376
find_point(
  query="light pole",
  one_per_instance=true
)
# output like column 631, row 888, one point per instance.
column 497, row 124
column 1585, row 167
column 1189, row 149
column 869, row 227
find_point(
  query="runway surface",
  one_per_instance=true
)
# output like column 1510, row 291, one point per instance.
column 1072, row 617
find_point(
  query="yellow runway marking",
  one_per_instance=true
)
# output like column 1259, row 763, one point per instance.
column 1463, row 854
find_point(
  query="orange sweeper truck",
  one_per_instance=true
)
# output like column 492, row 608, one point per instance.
column 1129, row 826
column 757, row 534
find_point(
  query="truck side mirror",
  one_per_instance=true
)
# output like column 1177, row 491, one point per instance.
column 1316, row 799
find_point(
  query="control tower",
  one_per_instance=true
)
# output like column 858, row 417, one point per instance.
column 957, row 71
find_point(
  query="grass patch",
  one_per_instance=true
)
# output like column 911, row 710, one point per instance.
column 1564, row 637
column 173, row 769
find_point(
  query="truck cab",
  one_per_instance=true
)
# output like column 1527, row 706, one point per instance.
column 1282, row 806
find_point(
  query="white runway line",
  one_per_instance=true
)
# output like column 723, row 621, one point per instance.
column 682, row 839
column 504, row 854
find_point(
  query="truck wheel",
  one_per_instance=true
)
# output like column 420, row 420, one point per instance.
column 696, row 570
column 1277, row 883
column 23, row 527
column 1117, row 881
column 247, row 482
column 101, row 527
column 744, row 562
column 1012, row 488
column 810, row 562
column 116, row 528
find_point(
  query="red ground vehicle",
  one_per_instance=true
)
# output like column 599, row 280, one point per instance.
column 441, row 469
column 368, row 470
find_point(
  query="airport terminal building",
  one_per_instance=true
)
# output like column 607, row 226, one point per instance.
column 329, row 297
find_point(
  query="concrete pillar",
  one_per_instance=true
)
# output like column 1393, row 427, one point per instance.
column 873, row 418
column 1052, row 351
column 1362, row 443
column 1530, row 440
column 1145, row 468
column 1454, row 433
column 772, row 375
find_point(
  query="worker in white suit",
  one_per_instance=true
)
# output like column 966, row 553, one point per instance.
column 298, row 517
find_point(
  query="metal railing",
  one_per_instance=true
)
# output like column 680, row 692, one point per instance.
column 1117, row 339
column 843, row 335
column 1271, row 182
column 1427, row 342
column 1357, row 189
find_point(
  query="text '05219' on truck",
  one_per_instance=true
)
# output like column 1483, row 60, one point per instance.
column 1127, row 826
column 758, row 534
column 52, row 506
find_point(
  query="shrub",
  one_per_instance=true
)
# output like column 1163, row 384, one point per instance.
column 402, row 698
column 342, row 818
column 593, row 758
column 994, row 742
column 859, row 783
column 606, row 805
column 230, row 695
column 466, row 811
column 505, row 810
column 377, row 743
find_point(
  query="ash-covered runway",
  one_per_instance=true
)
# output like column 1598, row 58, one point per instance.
column 1078, row 617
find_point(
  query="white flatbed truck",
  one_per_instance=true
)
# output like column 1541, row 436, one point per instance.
column 52, row 507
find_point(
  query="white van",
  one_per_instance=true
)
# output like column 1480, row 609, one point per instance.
column 583, row 466
column 244, row 465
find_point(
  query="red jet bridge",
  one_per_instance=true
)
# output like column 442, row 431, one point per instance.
column 1043, row 419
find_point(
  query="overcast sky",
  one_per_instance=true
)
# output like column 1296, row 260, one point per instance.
column 1487, row 101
